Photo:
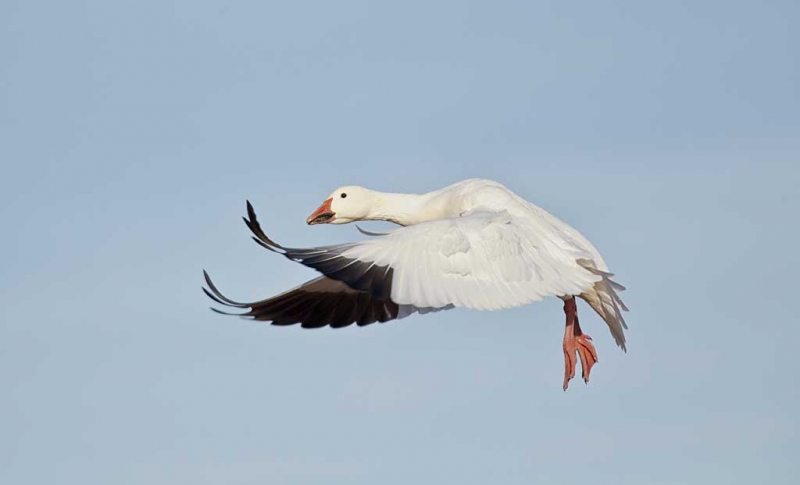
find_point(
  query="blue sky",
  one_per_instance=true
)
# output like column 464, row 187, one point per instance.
column 131, row 136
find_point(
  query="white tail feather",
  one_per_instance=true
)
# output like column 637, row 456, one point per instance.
column 604, row 300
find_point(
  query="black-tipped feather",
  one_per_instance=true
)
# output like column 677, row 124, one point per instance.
column 352, row 291
column 220, row 298
column 329, row 260
column 213, row 297
column 318, row 303
column 216, row 310
column 255, row 227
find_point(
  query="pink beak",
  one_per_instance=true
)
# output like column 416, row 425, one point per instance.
column 323, row 214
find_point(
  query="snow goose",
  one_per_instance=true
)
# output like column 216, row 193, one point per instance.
column 474, row 244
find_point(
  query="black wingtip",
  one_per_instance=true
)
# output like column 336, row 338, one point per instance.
column 251, row 221
column 251, row 213
column 264, row 245
column 219, row 297
column 226, row 313
column 215, row 298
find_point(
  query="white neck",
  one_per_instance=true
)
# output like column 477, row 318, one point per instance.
column 405, row 209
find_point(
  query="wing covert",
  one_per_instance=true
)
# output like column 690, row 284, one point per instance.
column 483, row 260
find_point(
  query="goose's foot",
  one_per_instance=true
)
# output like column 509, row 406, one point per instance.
column 575, row 341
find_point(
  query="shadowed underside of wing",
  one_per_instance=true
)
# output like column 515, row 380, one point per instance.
column 358, row 275
column 317, row 303
column 351, row 291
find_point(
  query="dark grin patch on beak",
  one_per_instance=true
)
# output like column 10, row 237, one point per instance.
column 322, row 218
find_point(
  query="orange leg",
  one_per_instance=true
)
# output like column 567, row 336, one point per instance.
column 578, row 342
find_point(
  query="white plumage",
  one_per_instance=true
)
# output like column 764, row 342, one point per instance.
column 483, row 260
column 474, row 244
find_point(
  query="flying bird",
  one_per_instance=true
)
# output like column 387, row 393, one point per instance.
column 473, row 244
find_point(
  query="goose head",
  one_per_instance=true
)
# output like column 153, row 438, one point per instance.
column 343, row 205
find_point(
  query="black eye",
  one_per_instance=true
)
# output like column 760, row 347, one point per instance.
column 344, row 195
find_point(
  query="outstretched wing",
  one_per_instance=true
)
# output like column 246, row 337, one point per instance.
column 317, row 303
column 482, row 260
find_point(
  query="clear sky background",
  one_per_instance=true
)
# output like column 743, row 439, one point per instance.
column 131, row 136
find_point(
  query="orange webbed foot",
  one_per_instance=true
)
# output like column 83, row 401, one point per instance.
column 582, row 346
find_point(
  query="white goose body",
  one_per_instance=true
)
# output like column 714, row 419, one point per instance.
column 474, row 244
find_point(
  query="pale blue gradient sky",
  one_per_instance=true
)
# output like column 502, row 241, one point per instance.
column 130, row 137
